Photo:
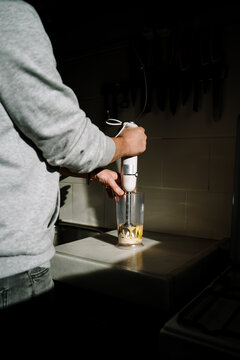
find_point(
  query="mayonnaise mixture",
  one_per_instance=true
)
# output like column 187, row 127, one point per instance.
column 131, row 235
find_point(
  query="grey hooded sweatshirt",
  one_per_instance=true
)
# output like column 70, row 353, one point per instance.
column 41, row 128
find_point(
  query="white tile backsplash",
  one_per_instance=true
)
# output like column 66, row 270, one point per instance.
column 110, row 212
column 164, row 210
column 221, row 165
column 185, row 163
column 88, row 204
column 150, row 164
column 72, row 180
column 208, row 214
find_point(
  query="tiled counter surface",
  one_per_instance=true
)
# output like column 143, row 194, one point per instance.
column 164, row 273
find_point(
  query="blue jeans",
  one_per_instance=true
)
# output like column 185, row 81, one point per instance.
column 24, row 287
column 27, row 310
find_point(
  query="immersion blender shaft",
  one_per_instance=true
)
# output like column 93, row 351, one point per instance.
column 128, row 208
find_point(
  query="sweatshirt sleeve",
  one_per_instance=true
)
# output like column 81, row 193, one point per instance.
column 39, row 104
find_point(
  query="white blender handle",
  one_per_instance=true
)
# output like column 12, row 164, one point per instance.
column 129, row 168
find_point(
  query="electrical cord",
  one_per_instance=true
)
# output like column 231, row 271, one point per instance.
column 142, row 67
column 115, row 122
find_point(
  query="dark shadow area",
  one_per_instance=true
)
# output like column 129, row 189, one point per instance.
column 111, row 326
column 78, row 322
column 209, row 325
column 63, row 194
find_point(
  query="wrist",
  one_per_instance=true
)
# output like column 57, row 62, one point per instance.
column 120, row 148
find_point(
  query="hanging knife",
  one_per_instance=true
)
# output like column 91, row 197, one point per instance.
column 219, row 73
column 174, row 75
column 196, row 62
column 147, row 79
column 162, row 49
column 185, row 59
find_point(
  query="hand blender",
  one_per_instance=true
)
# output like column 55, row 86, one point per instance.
column 129, row 180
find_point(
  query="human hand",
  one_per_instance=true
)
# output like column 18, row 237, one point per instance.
column 130, row 142
column 110, row 179
column 135, row 140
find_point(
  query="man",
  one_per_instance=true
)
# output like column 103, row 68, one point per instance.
column 42, row 130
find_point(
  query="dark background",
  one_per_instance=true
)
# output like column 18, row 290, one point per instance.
column 75, row 28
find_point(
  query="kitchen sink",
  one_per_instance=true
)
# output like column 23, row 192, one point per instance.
column 68, row 232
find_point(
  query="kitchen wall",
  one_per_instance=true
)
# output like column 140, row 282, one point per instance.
column 187, row 170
